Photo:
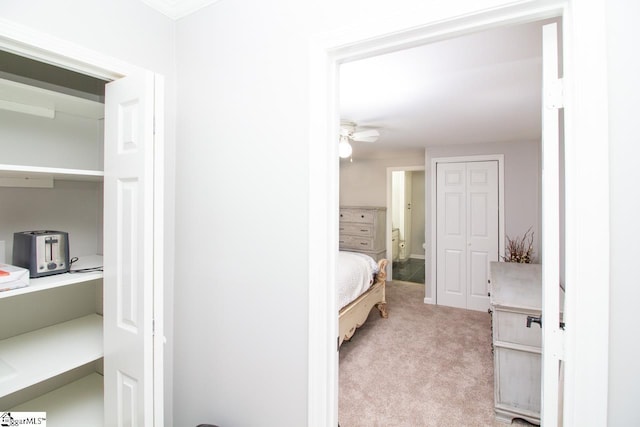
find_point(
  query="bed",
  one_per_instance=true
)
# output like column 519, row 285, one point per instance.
column 360, row 286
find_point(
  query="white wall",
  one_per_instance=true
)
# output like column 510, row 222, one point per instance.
column 242, row 169
column 243, row 92
column 243, row 89
column 363, row 182
column 624, row 350
column 241, row 267
column 132, row 32
column 70, row 206
column 81, row 135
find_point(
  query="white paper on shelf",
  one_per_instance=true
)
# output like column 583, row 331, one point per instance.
column 12, row 277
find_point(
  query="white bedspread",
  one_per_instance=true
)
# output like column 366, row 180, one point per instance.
column 354, row 276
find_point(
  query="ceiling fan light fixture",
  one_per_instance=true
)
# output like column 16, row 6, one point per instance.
column 344, row 148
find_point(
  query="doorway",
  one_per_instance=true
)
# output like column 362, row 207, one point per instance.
column 140, row 105
column 323, row 411
column 406, row 224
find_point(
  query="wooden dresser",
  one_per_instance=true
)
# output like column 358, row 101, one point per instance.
column 515, row 293
column 362, row 230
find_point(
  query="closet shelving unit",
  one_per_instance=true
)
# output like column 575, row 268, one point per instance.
column 51, row 332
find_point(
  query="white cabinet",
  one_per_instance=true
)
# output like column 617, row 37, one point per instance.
column 54, row 334
column 51, row 332
column 362, row 230
column 516, row 293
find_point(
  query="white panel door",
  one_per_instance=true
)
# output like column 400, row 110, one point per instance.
column 482, row 230
column 467, row 215
column 128, row 251
column 451, row 211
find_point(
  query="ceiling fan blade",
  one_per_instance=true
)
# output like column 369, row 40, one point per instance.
column 370, row 135
column 367, row 139
column 365, row 134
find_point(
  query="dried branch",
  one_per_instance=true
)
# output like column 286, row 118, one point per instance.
column 520, row 249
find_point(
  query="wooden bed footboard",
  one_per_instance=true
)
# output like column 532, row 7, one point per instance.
column 353, row 315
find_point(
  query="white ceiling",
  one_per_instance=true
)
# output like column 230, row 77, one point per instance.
column 483, row 87
column 176, row 9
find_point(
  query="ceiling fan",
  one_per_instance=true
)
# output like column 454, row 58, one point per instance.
column 348, row 133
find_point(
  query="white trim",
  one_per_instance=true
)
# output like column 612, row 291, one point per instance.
column 388, row 236
column 323, row 237
column 404, row 29
column 159, row 338
column 434, row 225
column 42, row 47
column 587, row 209
column 551, row 342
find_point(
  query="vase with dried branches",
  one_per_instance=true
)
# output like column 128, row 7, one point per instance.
column 520, row 249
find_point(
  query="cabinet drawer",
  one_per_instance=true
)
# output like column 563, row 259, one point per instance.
column 512, row 327
column 518, row 380
column 362, row 230
column 353, row 242
column 356, row 215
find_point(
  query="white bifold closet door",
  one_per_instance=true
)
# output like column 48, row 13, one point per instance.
column 467, row 214
column 129, row 251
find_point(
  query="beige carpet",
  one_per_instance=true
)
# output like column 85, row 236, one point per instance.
column 425, row 365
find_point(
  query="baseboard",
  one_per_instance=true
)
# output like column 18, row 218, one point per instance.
column 429, row 301
column 417, row 256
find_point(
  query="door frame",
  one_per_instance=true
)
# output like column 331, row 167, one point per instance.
column 434, row 217
column 28, row 42
column 389, row 225
column 587, row 183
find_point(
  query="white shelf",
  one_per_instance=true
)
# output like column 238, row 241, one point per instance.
column 65, row 279
column 12, row 173
column 78, row 404
column 33, row 357
column 27, row 98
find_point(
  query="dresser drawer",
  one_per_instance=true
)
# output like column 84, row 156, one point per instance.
column 354, row 242
column 361, row 230
column 356, row 215
column 511, row 327
column 517, row 382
